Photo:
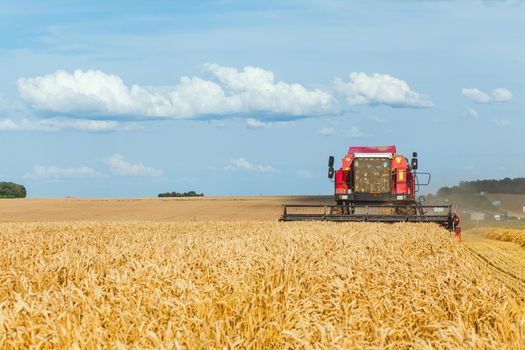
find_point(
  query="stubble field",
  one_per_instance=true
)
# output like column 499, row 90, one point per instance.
column 150, row 209
column 248, row 285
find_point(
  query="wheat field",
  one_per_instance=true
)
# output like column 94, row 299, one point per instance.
column 249, row 285
column 505, row 234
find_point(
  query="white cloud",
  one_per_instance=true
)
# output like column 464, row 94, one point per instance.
column 473, row 113
column 257, row 90
column 228, row 92
column 41, row 172
column 119, row 166
column 478, row 96
column 501, row 95
column 252, row 123
column 355, row 132
column 8, row 124
column 380, row 89
column 243, row 164
column 58, row 124
column 328, row 131
column 305, row 174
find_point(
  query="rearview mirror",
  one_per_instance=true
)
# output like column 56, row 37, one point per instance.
column 331, row 167
column 414, row 164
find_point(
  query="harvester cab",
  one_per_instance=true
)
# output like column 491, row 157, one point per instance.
column 376, row 184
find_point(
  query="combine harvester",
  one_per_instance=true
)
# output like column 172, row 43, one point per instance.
column 376, row 184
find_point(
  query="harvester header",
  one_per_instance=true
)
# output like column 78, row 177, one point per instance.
column 376, row 184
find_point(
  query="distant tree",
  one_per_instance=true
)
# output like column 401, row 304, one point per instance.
column 506, row 185
column 444, row 191
column 12, row 190
column 183, row 194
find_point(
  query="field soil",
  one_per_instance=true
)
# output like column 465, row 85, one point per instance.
column 150, row 209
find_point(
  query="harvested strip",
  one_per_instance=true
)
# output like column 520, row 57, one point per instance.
column 503, row 234
column 504, row 260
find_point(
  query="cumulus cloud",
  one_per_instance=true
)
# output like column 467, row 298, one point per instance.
column 478, row 96
column 119, row 166
column 501, row 95
column 328, row 131
column 58, row 124
column 257, row 90
column 41, row 172
column 243, row 164
column 227, row 92
column 380, row 89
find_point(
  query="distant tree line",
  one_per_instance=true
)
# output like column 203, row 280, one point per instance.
column 506, row 185
column 183, row 194
column 12, row 190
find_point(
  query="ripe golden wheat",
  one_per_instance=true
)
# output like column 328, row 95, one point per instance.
column 247, row 285
column 504, row 234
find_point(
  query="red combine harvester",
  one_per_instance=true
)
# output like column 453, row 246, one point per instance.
column 376, row 184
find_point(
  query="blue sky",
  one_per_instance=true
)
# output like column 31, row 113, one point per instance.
column 128, row 99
